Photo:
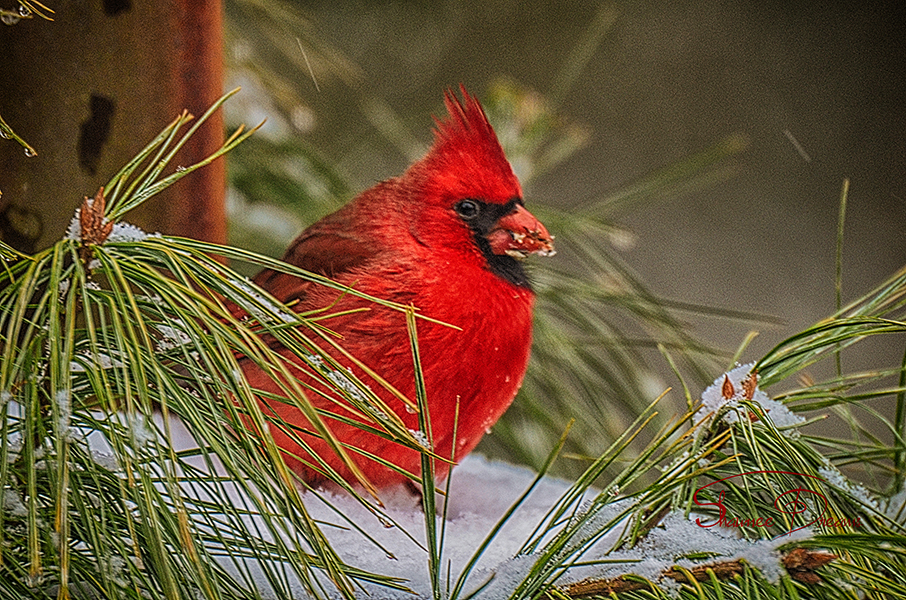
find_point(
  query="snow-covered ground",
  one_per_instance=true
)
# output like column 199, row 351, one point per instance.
column 390, row 541
column 481, row 492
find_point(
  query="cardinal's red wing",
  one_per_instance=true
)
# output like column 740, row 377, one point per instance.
column 330, row 247
column 328, row 254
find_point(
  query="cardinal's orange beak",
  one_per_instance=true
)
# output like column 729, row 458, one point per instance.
column 519, row 234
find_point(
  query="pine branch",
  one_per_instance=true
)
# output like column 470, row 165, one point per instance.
column 800, row 563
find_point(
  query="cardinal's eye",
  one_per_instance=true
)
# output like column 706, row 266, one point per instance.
column 467, row 209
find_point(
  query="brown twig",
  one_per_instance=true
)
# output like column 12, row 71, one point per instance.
column 799, row 563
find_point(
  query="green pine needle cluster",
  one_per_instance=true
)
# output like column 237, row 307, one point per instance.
column 105, row 336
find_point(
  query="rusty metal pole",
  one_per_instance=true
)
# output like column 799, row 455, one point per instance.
column 199, row 209
column 88, row 91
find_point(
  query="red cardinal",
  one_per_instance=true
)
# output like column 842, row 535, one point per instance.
column 448, row 237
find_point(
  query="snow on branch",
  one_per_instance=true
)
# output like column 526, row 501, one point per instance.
column 800, row 563
column 727, row 397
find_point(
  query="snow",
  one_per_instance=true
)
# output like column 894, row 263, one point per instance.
column 85, row 361
column 677, row 536
column 74, row 231
column 173, row 336
column 121, row 232
column 270, row 310
column 482, row 490
column 126, row 232
column 895, row 508
column 344, row 382
column 714, row 402
column 64, row 406
column 838, row 480
column 421, row 438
